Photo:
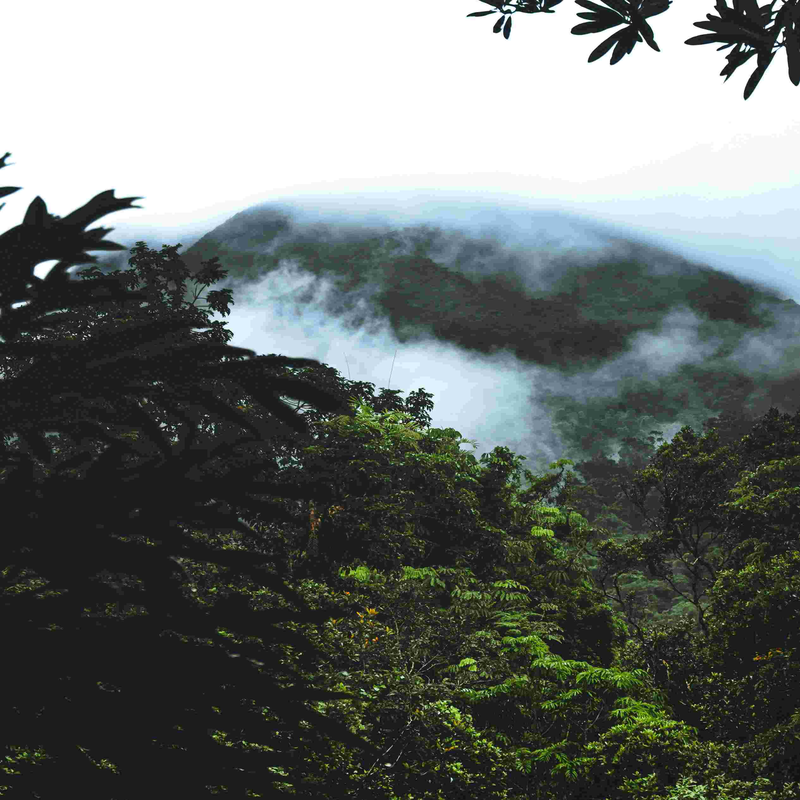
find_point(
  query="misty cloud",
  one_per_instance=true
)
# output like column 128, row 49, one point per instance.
column 318, row 277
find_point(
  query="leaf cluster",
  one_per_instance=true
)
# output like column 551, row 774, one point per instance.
column 750, row 29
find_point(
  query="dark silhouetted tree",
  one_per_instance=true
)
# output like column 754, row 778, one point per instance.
column 141, row 689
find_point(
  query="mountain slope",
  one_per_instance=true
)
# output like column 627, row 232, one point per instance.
column 610, row 342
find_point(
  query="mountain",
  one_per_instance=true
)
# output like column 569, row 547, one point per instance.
column 555, row 351
column 617, row 340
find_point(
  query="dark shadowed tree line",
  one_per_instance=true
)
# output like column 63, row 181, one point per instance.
column 751, row 30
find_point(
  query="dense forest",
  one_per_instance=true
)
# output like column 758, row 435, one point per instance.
column 627, row 635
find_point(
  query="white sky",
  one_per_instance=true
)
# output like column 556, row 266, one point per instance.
column 210, row 108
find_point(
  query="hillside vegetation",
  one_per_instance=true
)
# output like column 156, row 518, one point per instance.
column 628, row 636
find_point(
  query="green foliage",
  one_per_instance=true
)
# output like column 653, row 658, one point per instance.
column 143, row 666
column 647, row 744
column 517, row 663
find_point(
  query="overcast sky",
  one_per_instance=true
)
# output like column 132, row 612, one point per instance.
column 206, row 109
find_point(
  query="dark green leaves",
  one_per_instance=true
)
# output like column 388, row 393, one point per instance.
column 603, row 18
column 116, row 660
column 525, row 7
column 744, row 25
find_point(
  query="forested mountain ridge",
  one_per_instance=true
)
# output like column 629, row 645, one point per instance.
column 617, row 342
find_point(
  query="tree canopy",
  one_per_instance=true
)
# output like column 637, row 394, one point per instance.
column 76, row 523
column 749, row 29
